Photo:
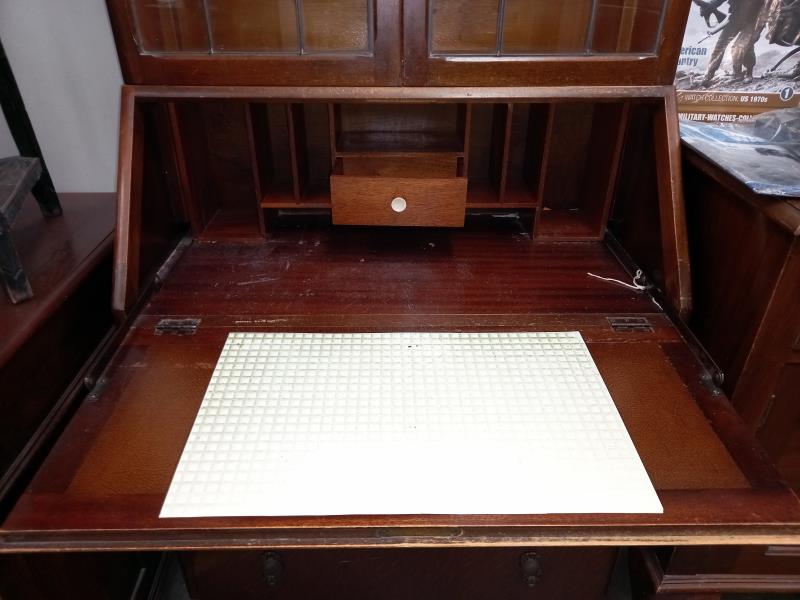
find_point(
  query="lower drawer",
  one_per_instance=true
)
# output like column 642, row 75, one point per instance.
column 663, row 572
column 470, row 573
column 404, row 201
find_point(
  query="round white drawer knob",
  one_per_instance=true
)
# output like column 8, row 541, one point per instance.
column 399, row 204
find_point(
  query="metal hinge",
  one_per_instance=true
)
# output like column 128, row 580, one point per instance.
column 628, row 324
column 177, row 326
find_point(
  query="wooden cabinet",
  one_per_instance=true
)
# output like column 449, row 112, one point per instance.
column 746, row 250
column 746, row 274
column 708, row 572
column 259, row 42
column 399, row 164
column 505, row 131
column 466, row 574
column 82, row 576
column 522, row 42
column 415, row 43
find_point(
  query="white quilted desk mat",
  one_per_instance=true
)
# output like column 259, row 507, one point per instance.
column 407, row 423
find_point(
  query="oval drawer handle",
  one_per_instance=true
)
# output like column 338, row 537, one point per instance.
column 399, row 204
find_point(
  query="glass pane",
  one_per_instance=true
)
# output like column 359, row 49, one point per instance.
column 546, row 26
column 464, row 26
column 627, row 25
column 335, row 25
column 170, row 25
column 253, row 25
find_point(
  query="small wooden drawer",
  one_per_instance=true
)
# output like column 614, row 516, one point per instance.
column 404, row 201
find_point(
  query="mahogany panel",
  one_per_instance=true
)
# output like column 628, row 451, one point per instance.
column 525, row 278
column 545, row 27
column 398, row 201
column 103, row 484
column 391, row 574
column 316, row 148
column 151, row 199
column 218, row 149
column 168, row 27
column 464, row 26
column 709, row 571
column 583, row 145
column 654, row 233
column 672, row 211
column 51, row 250
column 399, row 128
column 421, row 165
column 86, row 576
column 45, row 341
column 746, row 252
column 337, row 25
column 387, row 94
column 627, row 26
column 643, row 66
column 730, row 303
column 253, row 25
column 780, row 429
column 258, row 43
column 636, row 224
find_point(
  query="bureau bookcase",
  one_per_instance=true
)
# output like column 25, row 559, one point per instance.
column 365, row 165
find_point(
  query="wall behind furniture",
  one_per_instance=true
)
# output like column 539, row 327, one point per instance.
column 7, row 145
column 65, row 64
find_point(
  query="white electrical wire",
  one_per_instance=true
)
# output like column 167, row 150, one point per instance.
column 636, row 285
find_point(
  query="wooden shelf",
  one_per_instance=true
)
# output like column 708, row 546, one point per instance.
column 567, row 224
column 583, row 149
column 481, row 194
column 295, row 204
column 393, row 143
column 278, row 197
column 518, row 193
column 237, row 224
column 317, row 194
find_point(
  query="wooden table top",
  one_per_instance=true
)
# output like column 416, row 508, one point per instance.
column 103, row 483
column 54, row 252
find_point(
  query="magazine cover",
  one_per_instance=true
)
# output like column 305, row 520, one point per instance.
column 739, row 58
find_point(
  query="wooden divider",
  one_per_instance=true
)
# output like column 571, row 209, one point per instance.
column 580, row 164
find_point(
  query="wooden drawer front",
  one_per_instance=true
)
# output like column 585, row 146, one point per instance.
column 395, row 574
column 428, row 202
column 716, row 570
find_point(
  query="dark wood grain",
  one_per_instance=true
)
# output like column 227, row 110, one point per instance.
column 129, row 175
column 746, row 250
column 428, row 201
column 674, row 240
column 548, row 67
column 583, row 151
column 356, row 67
column 706, row 571
column 746, row 277
column 88, row 576
column 103, row 484
column 392, row 574
column 53, row 249
column 306, row 93
column 45, row 342
column 401, row 55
